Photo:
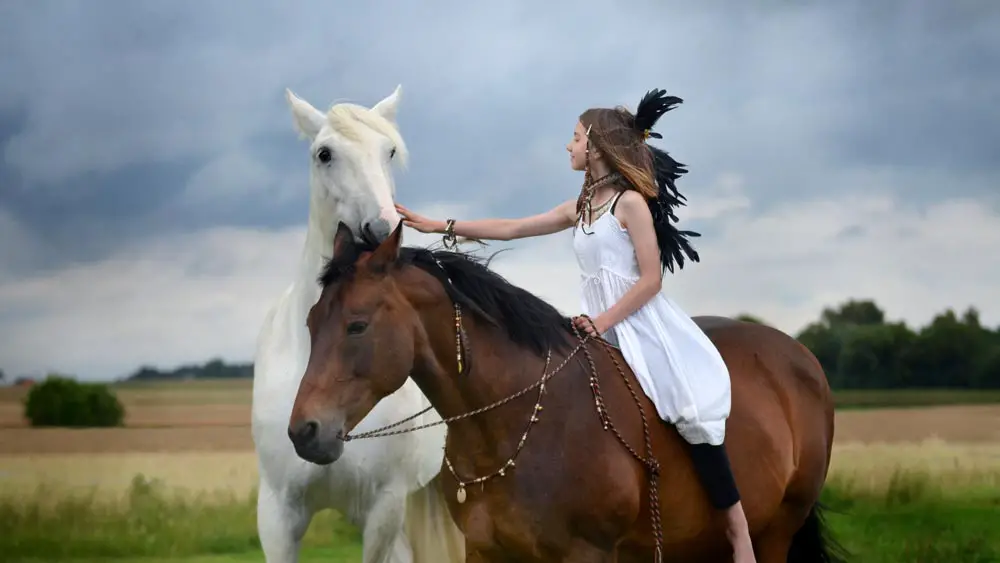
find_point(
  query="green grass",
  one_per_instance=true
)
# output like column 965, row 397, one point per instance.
column 915, row 519
column 147, row 521
column 350, row 553
column 959, row 532
column 878, row 398
column 918, row 519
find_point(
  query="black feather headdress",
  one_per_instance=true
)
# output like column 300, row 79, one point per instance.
column 673, row 243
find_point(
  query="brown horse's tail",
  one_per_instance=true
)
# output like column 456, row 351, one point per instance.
column 813, row 542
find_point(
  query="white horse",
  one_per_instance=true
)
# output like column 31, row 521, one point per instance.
column 387, row 487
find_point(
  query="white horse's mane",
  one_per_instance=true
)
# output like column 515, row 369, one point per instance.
column 346, row 119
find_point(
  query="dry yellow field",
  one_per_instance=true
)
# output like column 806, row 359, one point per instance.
column 862, row 466
column 196, row 437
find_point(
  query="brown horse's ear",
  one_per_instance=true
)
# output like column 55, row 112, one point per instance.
column 388, row 251
column 343, row 241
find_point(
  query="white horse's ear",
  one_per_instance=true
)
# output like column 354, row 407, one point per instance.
column 308, row 120
column 387, row 107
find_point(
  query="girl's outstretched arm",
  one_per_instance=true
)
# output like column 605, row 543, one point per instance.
column 554, row 220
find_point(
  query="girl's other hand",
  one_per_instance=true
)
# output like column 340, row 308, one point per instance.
column 588, row 326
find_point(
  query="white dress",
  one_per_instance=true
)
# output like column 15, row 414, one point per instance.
column 678, row 367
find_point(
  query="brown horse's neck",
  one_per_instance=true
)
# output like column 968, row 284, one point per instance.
column 497, row 369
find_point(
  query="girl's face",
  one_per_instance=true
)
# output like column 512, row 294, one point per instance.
column 577, row 148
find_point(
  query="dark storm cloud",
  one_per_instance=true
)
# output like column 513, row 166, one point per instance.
column 926, row 89
column 128, row 120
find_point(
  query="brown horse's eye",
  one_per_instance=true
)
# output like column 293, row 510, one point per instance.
column 357, row 327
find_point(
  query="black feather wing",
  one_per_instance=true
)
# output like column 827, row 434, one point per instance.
column 674, row 244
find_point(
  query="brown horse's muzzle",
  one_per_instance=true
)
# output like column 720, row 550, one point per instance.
column 317, row 441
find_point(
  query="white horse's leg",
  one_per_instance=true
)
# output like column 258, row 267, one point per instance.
column 384, row 537
column 281, row 524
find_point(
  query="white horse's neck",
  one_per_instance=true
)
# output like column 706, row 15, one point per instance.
column 323, row 219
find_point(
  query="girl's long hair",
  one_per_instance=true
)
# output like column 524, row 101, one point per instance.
column 621, row 138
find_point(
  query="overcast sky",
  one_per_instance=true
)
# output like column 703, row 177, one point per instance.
column 153, row 193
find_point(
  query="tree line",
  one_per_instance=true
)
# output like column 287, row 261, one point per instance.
column 213, row 369
column 855, row 344
column 860, row 350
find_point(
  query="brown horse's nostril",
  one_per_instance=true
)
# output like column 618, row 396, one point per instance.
column 305, row 432
column 309, row 430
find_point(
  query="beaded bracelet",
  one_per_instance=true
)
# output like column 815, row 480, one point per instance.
column 449, row 239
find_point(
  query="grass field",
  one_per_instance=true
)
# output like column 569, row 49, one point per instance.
column 177, row 484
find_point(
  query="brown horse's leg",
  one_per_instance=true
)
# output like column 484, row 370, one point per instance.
column 585, row 553
column 773, row 543
column 473, row 556
column 772, row 546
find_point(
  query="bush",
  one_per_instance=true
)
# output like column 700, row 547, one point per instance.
column 61, row 401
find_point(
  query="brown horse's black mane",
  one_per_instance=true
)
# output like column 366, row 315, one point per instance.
column 528, row 320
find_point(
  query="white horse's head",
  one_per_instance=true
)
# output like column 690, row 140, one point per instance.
column 351, row 150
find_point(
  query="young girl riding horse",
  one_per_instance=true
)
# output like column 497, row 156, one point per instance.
column 623, row 240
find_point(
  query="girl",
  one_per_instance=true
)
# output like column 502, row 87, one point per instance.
column 623, row 240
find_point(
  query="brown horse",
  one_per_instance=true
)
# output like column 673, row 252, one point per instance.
column 553, row 451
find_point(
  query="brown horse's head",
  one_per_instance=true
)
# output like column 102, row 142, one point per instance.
column 362, row 333
column 387, row 312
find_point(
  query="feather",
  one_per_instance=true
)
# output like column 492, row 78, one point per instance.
column 652, row 106
column 674, row 244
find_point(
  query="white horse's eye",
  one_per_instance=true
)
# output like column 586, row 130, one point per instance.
column 324, row 155
column 392, row 153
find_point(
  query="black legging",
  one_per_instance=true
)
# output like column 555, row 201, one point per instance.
column 712, row 465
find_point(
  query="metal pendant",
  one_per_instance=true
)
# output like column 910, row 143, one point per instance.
column 460, row 495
